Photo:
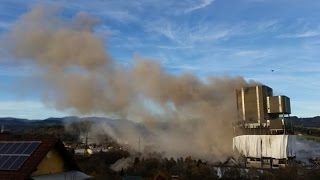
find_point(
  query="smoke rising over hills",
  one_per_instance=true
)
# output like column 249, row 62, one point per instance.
column 187, row 116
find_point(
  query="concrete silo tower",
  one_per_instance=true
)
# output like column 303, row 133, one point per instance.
column 263, row 133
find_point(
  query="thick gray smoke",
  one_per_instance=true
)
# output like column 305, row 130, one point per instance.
column 79, row 75
column 307, row 149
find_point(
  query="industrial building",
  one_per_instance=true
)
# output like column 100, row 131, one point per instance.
column 263, row 133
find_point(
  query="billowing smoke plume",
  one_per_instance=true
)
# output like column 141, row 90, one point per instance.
column 186, row 116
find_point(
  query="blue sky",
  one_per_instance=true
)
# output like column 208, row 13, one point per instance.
column 248, row 38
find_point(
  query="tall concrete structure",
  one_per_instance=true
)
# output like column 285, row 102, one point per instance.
column 263, row 133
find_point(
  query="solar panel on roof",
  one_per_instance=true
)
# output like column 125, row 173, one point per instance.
column 30, row 148
column 4, row 160
column 13, row 154
column 7, row 150
column 4, row 147
column 20, row 149
column 20, row 160
column 12, row 162
column 18, row 145
column 11, row 147
column 8, row 163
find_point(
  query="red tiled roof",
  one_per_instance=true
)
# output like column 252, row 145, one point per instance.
column 30, row 165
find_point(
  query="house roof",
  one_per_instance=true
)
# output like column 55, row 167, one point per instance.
column 74, row 175
column 31, row 163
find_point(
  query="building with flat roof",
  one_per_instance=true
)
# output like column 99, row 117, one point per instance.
column 263, row 133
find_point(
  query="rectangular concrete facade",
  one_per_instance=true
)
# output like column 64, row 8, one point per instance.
column 252, row 103
column 262, row 132
column 258, row 108
column 278, row 105
column 257, row 104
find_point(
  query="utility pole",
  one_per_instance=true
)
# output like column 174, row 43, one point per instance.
column 86, row 145
column 139, row 145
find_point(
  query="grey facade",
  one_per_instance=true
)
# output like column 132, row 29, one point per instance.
column 252, row 103
column 257, row 107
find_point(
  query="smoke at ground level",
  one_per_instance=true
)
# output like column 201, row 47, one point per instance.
column 184, row 114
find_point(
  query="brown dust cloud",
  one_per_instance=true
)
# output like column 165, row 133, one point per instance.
column 186, row 115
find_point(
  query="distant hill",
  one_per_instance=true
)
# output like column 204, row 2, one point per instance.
column 17, row 124
column 118, row 125
column 312, row 122
column 23, row 124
